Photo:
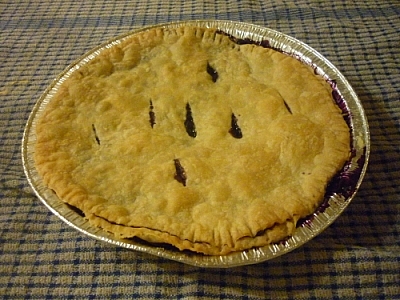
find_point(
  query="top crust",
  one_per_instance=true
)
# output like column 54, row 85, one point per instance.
column 99, row 151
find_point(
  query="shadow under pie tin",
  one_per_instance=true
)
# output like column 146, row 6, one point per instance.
column 340, row 191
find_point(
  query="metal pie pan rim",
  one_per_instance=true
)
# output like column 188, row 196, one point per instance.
column 303, row 234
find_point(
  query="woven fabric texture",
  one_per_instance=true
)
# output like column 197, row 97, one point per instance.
column 357, row 257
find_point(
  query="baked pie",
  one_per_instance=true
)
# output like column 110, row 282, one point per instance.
column 193, row 138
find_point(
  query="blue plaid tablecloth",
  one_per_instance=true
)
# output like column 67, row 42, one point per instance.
column 357, row 257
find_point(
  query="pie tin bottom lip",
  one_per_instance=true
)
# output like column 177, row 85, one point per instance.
column 313, row 226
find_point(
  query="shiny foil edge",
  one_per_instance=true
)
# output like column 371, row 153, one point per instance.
column 319, row 221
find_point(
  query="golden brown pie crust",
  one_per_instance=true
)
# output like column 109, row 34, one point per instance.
column 109, row 140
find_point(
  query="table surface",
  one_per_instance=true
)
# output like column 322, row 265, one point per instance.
column 357, row 257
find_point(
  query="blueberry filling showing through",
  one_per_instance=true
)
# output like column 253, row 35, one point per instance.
column 95, row 134
column 180, row 174
column 287, row 107
column 235, row 130
column 245, row 41
column 212, row 72
column 152, row 115
column 189, row 122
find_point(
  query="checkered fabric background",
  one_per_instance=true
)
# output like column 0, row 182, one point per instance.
column 355, row 258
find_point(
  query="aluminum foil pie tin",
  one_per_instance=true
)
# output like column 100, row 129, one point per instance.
column 342, row 191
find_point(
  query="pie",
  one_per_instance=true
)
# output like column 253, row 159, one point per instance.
column 192, row 138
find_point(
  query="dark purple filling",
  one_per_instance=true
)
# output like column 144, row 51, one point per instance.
column 341, row 102
column 180, row 174
column 189, row 122
column 235, row 130
column 263, row 43
column 95, row 134
column 287, row 107
column 152, row 115
column 343, row 184
column 212, row 72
